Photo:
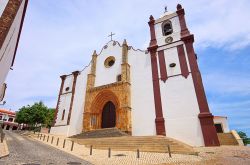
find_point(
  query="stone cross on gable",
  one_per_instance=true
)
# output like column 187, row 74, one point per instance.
column 111, row 35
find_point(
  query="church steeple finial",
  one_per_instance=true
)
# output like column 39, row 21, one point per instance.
column 93, row 62
column 151, row 18
column 166, row 9
column 179, row 7
column 111, row 36
column 124, row 42
column 94, row 53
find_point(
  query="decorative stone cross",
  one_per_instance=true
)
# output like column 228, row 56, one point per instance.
column 111, row 35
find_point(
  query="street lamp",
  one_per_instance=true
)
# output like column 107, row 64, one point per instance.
column 4, row 102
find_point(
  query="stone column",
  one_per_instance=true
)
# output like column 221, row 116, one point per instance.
column 125, row 66
column 90, row 85
column 75, row 74
column 125, row 111
column 159, row 119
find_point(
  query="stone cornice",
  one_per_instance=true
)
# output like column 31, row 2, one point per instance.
column 108, row 86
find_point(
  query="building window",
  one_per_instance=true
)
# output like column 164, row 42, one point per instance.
column 167, row 28
column 63, row 114
column 10, row 119
column 119, row 77
column 110, row 61
column 1, row 117
column 67, row 89
column 219, row 128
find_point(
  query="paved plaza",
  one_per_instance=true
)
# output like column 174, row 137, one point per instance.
column 24, row 150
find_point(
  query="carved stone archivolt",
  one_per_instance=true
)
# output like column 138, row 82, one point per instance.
column 119, row 93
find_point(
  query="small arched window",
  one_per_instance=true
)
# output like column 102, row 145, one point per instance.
column 167, row 28
column 63, row 114
column 119, row 77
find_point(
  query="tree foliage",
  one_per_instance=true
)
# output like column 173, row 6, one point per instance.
column 36, row 114
column 244, row 137
column 50, row 117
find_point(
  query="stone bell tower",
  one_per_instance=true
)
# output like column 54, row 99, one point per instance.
column 181, row 107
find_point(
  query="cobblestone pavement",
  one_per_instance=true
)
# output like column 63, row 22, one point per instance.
column 25, row 151
column 100, row 157
column 229, row 155
column 224, row 155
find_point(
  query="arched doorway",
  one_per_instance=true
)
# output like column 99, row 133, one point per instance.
column 108, row 115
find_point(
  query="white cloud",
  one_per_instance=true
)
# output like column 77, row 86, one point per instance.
column 220, row 23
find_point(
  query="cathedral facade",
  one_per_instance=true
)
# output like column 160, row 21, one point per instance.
column 143, row 93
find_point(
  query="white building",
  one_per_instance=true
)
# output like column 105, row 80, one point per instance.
column 7, row 118
column 221, row 124
column 12, row 14
column 158, row 91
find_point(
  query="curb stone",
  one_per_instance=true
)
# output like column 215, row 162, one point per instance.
column 5, row 151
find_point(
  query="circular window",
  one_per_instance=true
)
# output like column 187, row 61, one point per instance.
column 168, row 40
column 67, row 89
column 172, row 65
column 110, row 61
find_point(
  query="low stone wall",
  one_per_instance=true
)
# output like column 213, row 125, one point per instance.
column 44, row 130
column 237, row 137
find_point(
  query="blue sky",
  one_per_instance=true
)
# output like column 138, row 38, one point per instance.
column 59, row 37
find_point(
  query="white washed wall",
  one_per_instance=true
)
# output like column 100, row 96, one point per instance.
column 75, row 125
column 142, row 98
column 79, row 102
column 63, row 105
column 108, row 75
column 180, row 110
column 64, row 102
column 60, row 130
column 68, row 83
column 8, row 48
column 171, row 56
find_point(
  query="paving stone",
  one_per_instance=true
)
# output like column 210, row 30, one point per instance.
column 24, row 151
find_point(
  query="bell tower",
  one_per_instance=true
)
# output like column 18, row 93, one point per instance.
column 181, row 107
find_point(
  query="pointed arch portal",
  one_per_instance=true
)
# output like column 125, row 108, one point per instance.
column 108, row 115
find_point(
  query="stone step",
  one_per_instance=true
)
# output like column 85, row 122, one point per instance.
column 149, row 148
column 132, row 143
column 227, row 139
column 99, row 133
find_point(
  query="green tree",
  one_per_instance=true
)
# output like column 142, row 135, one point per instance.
column 23, row 115
column 49, row 118
column 37, row 114
column 244, row 137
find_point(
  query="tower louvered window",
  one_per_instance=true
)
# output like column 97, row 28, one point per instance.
column 167, row 28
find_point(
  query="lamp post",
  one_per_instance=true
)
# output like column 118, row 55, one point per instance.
column 4, row 102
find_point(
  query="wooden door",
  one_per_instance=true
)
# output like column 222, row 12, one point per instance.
column 108, row 115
